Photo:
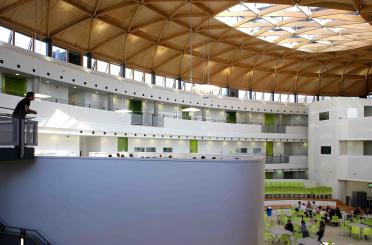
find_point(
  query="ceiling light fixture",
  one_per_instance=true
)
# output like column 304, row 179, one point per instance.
column 191, row 109
column 17, row 74
column 123, row 111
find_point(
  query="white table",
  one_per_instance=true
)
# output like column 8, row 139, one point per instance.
column 361, row 226
column 308, row 241
column 279, row 230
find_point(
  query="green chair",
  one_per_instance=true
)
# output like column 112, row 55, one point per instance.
column 355, row 231
column 313, row 230
column 335, row 220
column 297, row 235
column 367, row 233
column 268, row 237
column 285, row 238
column 345, row 228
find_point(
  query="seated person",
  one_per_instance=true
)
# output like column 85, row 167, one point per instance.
column 357, row 212
column 289, row 226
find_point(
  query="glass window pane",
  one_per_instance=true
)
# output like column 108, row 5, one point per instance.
column 94, row 64
column 169, row 82
column 259, row 96
column 291, row 98
column 115, row 69
column 102, row 66
column 188, row 86
column 242, row 94
column 138, row 75
column 224, row 92
column 22, row 41
column 148, row 78
column 40, row 47
column 5, row 35
column 277, row 97
column 59, row 53
column 128, row 73
column 159, row 80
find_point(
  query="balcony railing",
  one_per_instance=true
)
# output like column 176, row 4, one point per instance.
column 17, row 132
column 281, row 158
column 150, row 119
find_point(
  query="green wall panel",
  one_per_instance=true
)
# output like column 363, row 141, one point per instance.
column 270, row 119
column 135, row 105
column 14, row 86
column 193, row 146
column 269, row 148
column 123, row 144
column 231, row 116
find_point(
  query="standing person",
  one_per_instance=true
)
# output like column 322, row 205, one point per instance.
column 321, row 230
column 289, row 226
column 309, row 209
column 23, row 106
column 304, row 231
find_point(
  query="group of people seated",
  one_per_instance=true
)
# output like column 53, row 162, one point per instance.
column 361, row 212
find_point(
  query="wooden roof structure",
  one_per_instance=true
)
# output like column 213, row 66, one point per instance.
column 184, row 39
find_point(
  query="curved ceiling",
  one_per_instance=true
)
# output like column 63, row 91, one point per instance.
column 154, row 35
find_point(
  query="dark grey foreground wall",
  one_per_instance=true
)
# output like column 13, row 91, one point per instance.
column 75, row 201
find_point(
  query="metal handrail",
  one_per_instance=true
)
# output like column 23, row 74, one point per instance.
column 68, row 102
column 23, row 232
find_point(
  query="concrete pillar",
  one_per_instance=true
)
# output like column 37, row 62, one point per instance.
column 204, row 114
column 49, row 46
column 122, row 69
column 153, row 77
column 110, row 102
column 156, row 108
column 89, row 60
column 250, row 94
column 317, row 97
column 295, row 98
column 272, row 96
column 232, row 92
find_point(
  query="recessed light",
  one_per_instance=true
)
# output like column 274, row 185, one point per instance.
column 96, row 92
column 17, row 74
column 74, row 87
column 47, row 81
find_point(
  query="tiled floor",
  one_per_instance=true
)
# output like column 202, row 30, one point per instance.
column 333, row 234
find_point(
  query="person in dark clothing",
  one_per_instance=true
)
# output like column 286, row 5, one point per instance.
column 338, row 213
column 23, row 106
column 304, row 231
column 289, row 226
column 321, row 230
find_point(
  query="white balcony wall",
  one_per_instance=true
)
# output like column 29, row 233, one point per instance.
column 278, row 148
column 59, row 92
column 74, row 75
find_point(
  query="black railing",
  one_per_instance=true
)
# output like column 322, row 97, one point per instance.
column 16, row 131
column 27, row 234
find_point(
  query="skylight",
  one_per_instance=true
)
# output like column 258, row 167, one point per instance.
column 310, row 29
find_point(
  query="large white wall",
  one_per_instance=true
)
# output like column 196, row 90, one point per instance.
column 135, row 201
column 58, row 145
column 344, row 131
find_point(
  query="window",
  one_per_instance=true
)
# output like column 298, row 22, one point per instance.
column 5, row 35
column 324, row 116
column 368, row 111
column 167, row 149
column 59, row 53
column 169, row 82
column 115, row 70
column 22, row 41
column 325, row 150
column 242, row 94
column 40, row 47
column 224, row 92
column 102, row 66
column 138, row 75
column 150, row 149
column 85, row 61
column 256, row 150
column 277, row 97
column 139, row 149
column 159, row 80
column 128, row 73
column 267, row 96
column 242, row 150
column 148, row 78
column 188, row 86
